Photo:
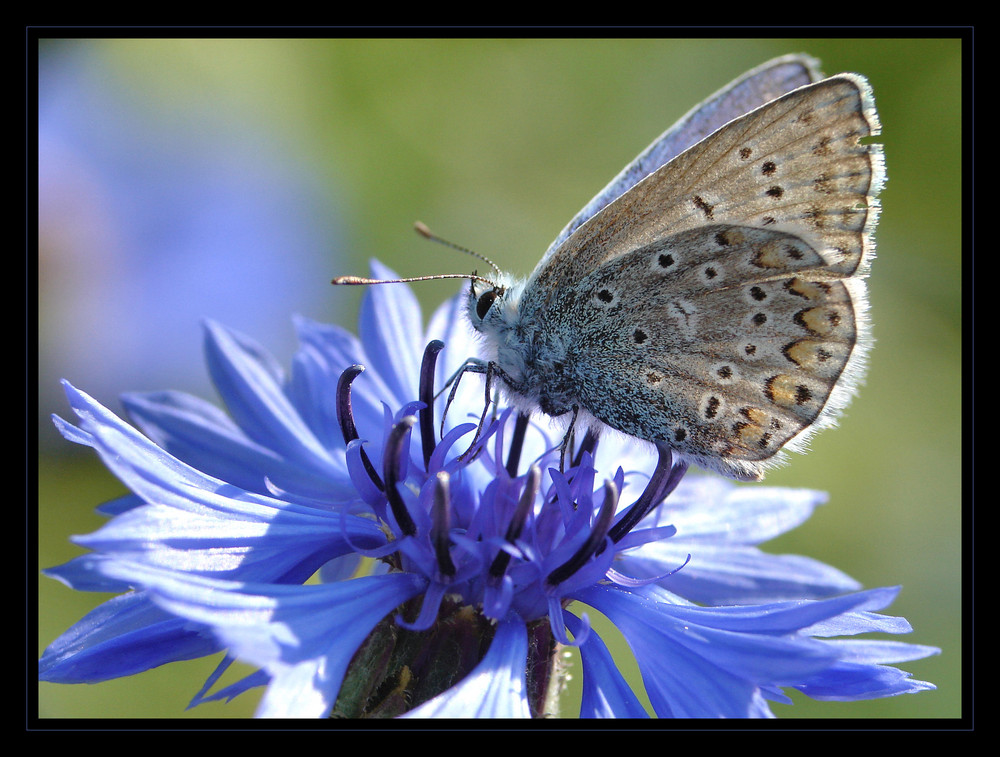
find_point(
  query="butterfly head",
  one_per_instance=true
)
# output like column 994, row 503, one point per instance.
column 483, row 300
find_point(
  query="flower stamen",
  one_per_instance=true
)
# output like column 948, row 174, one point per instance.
column 588, row 444
column 394, row 450
column 518, row 520
column 441, row 524
column 345, row 417
column 516, row 445
column 426, row 395
column 664, row 480
column 595, row 542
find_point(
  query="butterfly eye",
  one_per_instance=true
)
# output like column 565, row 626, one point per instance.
column 485, row 302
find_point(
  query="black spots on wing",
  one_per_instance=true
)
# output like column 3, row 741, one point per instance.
column 824, row 184
column 665, row 260
column 703, row 206
column 802, row 394
column 712, row 406
column 783, row 390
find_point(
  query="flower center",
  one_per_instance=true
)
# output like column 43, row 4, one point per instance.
column 506, row 543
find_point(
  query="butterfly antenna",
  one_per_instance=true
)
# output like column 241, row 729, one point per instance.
column 360, row 280
column 426, row 232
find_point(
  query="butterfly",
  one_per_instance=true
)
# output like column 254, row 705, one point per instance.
column 711, row 299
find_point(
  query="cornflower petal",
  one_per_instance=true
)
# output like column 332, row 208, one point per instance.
column 723, row 662
column 390, row 315
column 203, row 436
column 200, row 524
column 121, row 637
column 219, row 527
column 719, row 524
column 606, row 694
column 303, row 636
column 251, row 386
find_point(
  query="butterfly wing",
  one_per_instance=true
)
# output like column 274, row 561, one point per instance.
column 735, row 312
column 726, row 342
column 758, row 86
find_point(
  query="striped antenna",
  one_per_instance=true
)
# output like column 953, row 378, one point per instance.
column 426, row 232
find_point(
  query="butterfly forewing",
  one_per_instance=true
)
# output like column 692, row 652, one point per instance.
column 755, row 88
column 751, row 172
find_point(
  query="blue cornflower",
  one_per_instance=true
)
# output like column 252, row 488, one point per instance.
column 376, row 551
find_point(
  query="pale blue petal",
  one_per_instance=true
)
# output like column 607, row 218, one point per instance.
column 721, row 574
column 287, row 548
column 859, row 675
column 714, row 509
column 390, row 327
column 718, row 524
column 203, row 436
column 324, row 353
column 252, row 390
column 159, row 477
column 496, row 688
column 704, row 662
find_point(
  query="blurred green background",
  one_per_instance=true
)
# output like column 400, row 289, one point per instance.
column 231, row 179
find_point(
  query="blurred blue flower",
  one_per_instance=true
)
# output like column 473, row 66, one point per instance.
column 376, row 551
column 145, row 204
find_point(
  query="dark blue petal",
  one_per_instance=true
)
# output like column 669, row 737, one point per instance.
column 124, row 636
column 605, row 693
column 303, row 636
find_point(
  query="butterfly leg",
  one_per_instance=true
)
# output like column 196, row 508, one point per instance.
column 471, row 365
column 567, row 438
column 474, row 365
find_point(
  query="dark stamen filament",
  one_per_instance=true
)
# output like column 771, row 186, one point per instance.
column 589, row 444
column 595, row 542
column 426, row 395
column 394, row 450
column 516, row 444
column 441, row 524
column 345, row 417
column 663, row 481
column 520, row 517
